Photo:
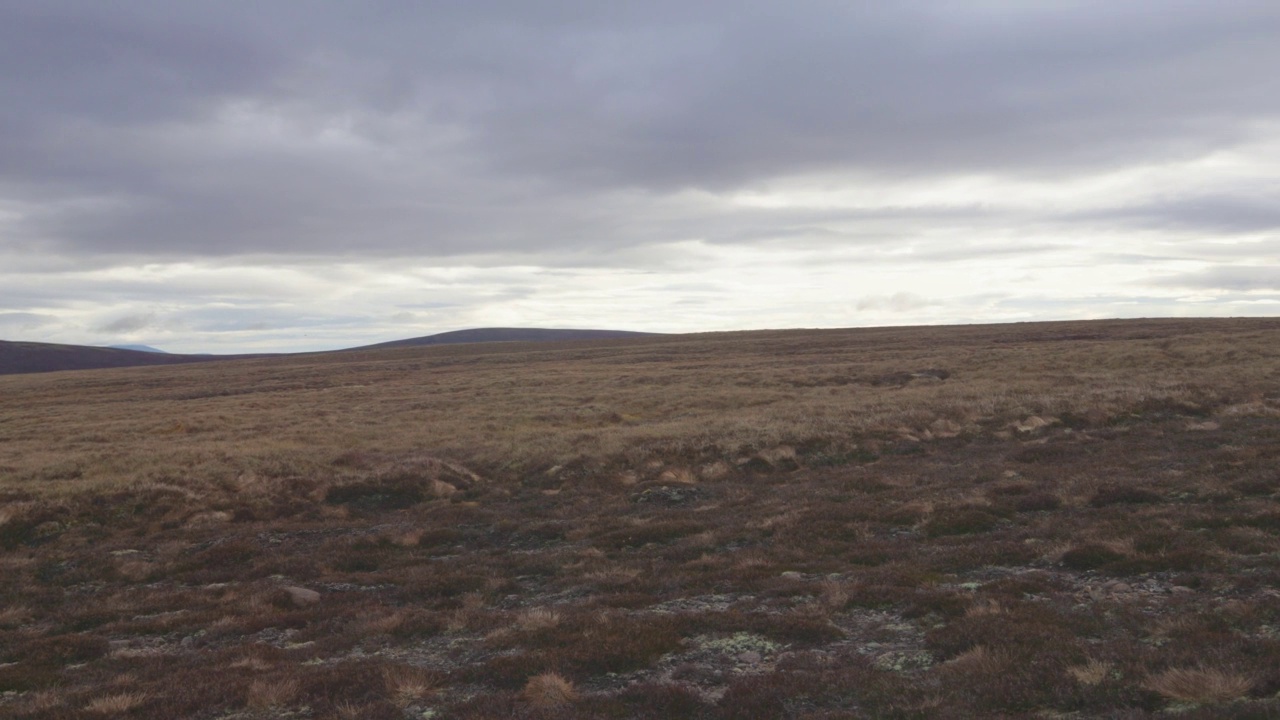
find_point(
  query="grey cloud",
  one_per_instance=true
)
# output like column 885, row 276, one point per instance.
column 1218, row 214
column 1227, row 277
column 129, row 324
column 11, row 321
column 413, row 129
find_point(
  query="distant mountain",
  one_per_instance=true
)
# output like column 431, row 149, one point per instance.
column 29, row 357
column 480, row 335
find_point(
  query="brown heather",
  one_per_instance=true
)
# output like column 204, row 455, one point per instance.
column 1063, row 519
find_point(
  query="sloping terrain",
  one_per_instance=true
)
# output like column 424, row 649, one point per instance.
column 1050, row 520
column 476, row 335
column 28, row 357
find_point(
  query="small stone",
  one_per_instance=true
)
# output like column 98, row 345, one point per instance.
column 302, row 597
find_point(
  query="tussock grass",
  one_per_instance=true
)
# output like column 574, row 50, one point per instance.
column 118, row 704
column 1200, row 685
column 549, row 691
column 268, row 694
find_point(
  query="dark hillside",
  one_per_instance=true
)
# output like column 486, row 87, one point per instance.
column 479, row 335
column 28, row 357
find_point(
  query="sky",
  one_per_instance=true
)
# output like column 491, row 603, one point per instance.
column 238, row 176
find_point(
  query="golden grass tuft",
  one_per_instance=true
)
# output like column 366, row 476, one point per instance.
column 979, row 660
column 1091, row 673
column 833, row 595
column 549, row 691
column 535, row 619
column 44, row 700
column 1201, row 686
column 117, row 704
column 268, row 694
column 679, row 476
column 347, row 710
column 408, row 684
column 985, row 608
column 15, row 616
column 381, row 624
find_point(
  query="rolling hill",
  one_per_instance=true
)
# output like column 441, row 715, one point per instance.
column 32, row 357
column 477, row 335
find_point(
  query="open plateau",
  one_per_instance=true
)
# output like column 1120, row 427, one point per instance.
column 1048, row 520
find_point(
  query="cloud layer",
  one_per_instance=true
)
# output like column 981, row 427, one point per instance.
column 232, row 175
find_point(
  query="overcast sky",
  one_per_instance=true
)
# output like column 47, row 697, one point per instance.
column 250, row 176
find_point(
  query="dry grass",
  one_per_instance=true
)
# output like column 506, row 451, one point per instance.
column 407, row 684
column 754, row 525
column 267, row 694
column 118, row 704
column 1200, row 685
column 1091, row 673
column 535, row 619
column 512, row 409
column 12, row 617
column 549, row 691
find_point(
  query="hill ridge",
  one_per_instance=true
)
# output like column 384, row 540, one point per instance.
column 23, row 357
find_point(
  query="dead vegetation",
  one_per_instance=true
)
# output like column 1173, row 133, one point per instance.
column 1074, row 519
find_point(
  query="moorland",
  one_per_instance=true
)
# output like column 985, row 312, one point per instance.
column 1076, row 519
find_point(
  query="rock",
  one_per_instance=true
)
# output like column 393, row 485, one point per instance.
column 792, row 575
column 300, row 596
column 749, row 657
